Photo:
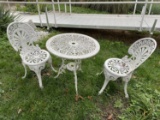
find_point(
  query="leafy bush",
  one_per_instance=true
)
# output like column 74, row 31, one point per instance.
column 32, row 7
column 5, row 18
column 155, row 9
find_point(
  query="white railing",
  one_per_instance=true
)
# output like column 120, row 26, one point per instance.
column 147, row 2
column 70, row 3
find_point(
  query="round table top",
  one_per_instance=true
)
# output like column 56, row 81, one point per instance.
column 73, row 46
column 117, row 67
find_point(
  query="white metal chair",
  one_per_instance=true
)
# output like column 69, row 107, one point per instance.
column 40, row 34
column 21, row 37
column 114, row 67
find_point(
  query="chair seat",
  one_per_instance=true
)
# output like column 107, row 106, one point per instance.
column 36, row 57
column 117, row 67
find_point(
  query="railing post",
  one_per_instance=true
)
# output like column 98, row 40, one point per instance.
column 9, row 5
column 53, row 6
column 39, row 13
column 59, row 8
column 153, row 27
column 135, row 7
column 70, row 7
column 150, row 7
column 47, row 19
column 65, row 7
column 146, row 5
column 143, row 14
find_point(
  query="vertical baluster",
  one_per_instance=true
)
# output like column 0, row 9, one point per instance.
column 39, row 12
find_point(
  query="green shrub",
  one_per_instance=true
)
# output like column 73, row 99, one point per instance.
column 155, row 9
column 33, row 7
column 5, row 18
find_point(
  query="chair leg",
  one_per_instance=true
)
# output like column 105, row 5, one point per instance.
column 38, row 73
column 50, row 62
column 126, row 80
column 25, row 69
column 125, row 90
column 106, row 81
column 108, row 77
column 37, row 70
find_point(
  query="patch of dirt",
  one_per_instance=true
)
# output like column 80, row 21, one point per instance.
column 109, row 111
column 127, row 37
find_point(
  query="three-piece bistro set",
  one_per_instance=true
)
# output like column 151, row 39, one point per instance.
column 75, row 47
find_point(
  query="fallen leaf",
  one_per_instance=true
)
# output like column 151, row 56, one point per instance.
column 48, row 74
column 19, row 111
column 77, row 97
column 134, row 76
column 81, row 97
column 90, row 97
column 66, row 90
column 110, row 117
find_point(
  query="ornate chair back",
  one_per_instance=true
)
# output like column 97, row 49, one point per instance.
column 21, row 37
column 140, row 51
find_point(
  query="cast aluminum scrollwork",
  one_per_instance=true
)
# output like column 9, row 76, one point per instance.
column 72, row 47
column 139, row 52
column 21, row 37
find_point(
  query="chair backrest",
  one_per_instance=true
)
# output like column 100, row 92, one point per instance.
column 30, row 22
column 141, row 50
column 21, row 36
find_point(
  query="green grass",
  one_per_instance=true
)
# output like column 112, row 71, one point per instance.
column 22, row 99
column 74, row 9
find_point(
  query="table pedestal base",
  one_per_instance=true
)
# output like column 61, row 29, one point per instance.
column 71, row 66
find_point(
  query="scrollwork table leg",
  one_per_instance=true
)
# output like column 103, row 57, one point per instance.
column 61, row 69
column 50, row 62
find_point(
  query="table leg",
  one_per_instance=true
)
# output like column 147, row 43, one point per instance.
column 79, row 65
column 61, row 69
column 75, row 76
column 74, row 67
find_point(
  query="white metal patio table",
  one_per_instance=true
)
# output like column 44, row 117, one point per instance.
column 72, row 46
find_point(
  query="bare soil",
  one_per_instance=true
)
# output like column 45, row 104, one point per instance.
column 127, row 37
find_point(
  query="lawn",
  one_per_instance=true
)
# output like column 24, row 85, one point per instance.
column 22, row 99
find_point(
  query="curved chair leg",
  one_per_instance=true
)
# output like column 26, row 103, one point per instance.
column 106, row 81
column 38, row 73
column 50, row 62
column 25, row 69
column 126, row 80
column 108, row 77
column 37, row 70
column 125, row 89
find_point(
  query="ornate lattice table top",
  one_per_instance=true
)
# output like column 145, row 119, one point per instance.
column 36, row 57
column 73, row 46
column 117, row 67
